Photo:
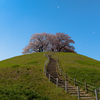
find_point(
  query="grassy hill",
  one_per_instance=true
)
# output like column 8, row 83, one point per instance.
column 22, row 78
column 82, row 68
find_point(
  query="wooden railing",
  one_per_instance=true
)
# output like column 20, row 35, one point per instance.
column 88, row 88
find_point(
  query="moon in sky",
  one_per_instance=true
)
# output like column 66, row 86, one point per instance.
column 58, row 6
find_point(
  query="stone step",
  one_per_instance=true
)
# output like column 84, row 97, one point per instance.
column 51, row 68
column 81, row 95
column 88, row 98
column 77, row 92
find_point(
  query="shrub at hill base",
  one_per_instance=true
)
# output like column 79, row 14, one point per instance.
column 6, row 94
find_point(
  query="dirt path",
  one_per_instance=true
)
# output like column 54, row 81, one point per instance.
column 51, row 69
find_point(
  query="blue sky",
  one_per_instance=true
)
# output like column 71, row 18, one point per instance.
column 19, row 19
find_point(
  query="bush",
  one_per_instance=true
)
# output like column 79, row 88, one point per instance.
column 6, row 94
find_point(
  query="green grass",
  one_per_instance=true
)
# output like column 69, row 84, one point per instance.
column 82, row 68
column 22, row 78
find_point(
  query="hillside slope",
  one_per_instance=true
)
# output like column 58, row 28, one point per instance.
column 22, row 78
column 82, row 68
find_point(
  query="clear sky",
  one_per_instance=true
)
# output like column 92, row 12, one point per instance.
column 19, row 19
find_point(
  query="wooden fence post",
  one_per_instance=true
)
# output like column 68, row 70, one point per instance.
column 49, row 77
column 78, row 91
column 58, row 66
column 65, row 77
column 74, row 81
column 57, row 82
column 96, row 94
column 85, row 86
column 66, row 86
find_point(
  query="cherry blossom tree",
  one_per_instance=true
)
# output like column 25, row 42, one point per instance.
column 51, row 46
column 60, row 42
column 25, row 50
column 40, row 42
